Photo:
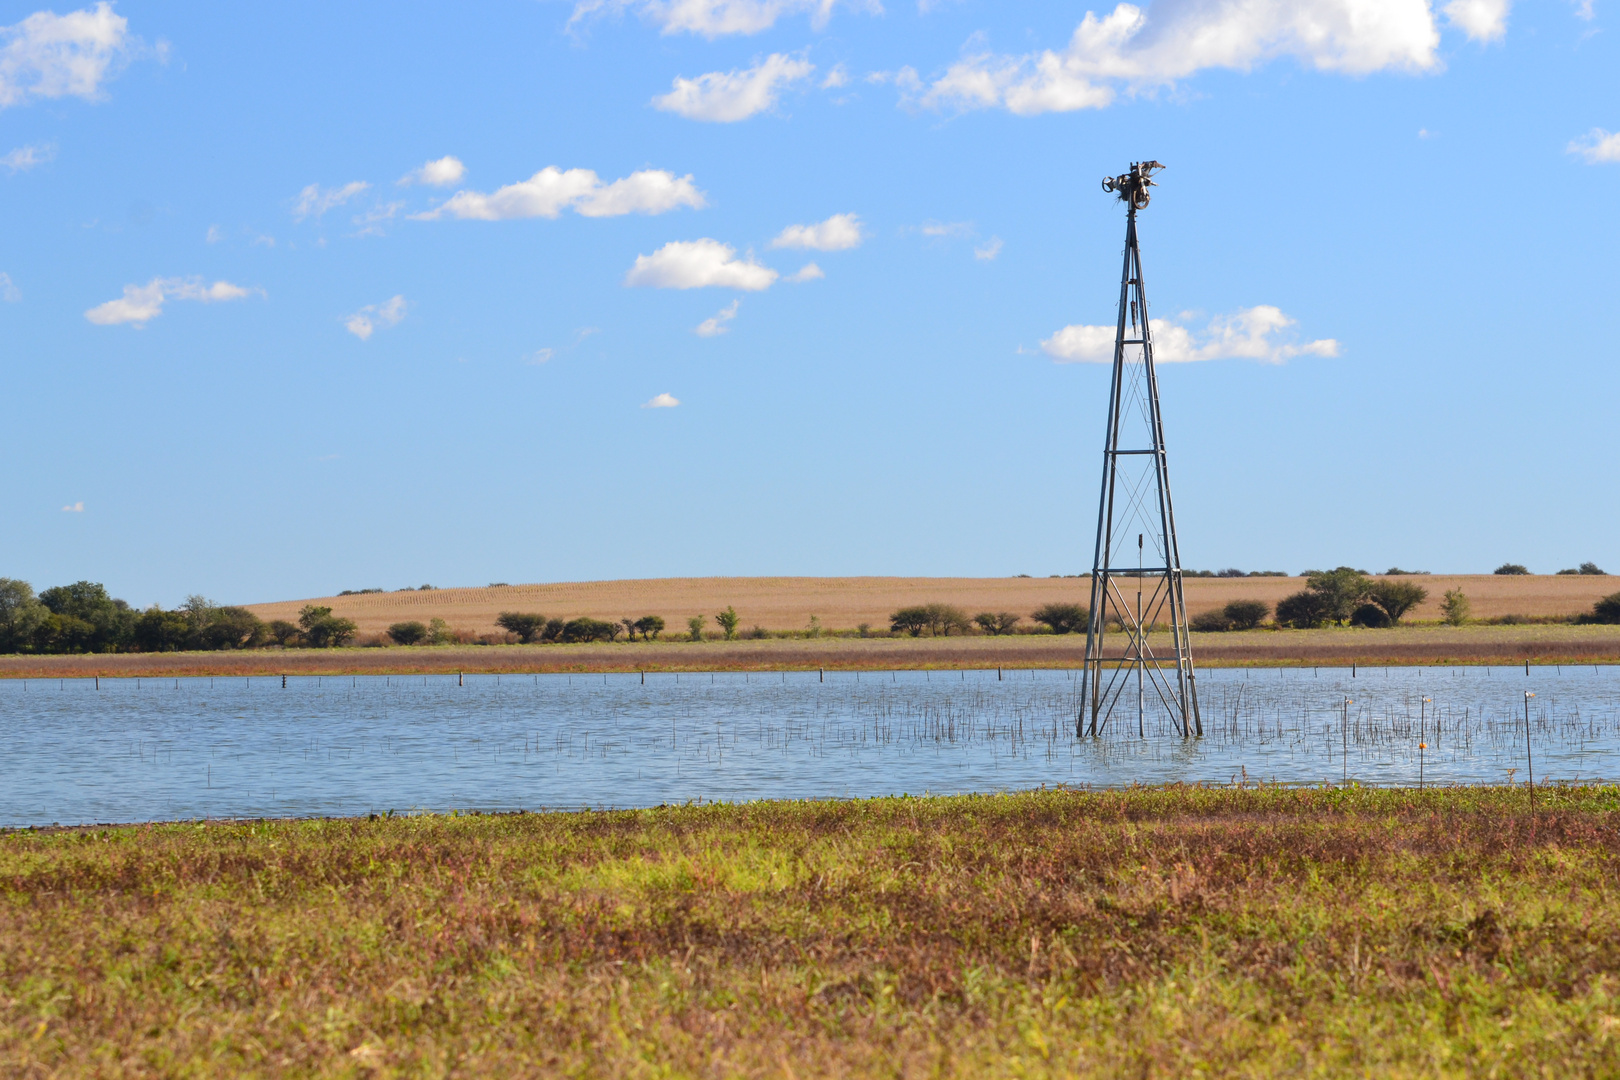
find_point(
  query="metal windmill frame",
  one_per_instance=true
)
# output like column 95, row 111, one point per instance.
column 1107, row 675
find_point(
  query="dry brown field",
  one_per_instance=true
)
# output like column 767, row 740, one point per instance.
column 1421, row 645
column 787, row 603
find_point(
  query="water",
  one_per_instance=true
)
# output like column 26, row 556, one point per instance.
column 231, row 747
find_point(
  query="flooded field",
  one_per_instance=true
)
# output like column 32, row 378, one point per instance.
column 82, row 751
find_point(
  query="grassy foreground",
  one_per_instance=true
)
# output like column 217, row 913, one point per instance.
column 1153, row 932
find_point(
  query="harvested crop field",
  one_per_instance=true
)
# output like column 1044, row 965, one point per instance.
column 844, row 603
column 1149, row 932
column 1421, row 645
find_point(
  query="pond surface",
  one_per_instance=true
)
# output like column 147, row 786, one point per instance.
column 133, row 750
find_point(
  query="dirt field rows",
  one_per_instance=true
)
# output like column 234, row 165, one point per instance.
column 787, row 603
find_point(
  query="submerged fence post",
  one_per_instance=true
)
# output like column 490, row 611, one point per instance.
column 284, row 682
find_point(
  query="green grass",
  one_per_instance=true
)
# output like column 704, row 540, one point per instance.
column 1152, row 932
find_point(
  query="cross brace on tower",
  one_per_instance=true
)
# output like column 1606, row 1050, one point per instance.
column 1136, row 500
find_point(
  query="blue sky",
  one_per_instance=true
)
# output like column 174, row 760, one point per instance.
column 307, row 297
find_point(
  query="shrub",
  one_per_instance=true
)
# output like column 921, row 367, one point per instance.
column 1302, row 611
column 1592, row 568
column 1455, row 607
column 586, row 628
column 20, row 614
column 997, row 622
column 322, row 629
column 1246, row 614
column 865, row 629
column 1370, row 615
column 728, row 622
column 1511, row 568
column 1210, row 622
column 1607, row 610
column 282, row 632
column 525, row 624
column 1063, row 618
column 553, row 630
column 157, row 630
column 1339, row 591
column 758, row 633
column 1230, row 571
column 911, row 620
column 694, row 627
column 407, row 633
column 1396, row 598
column 230, row 628
column 649, row 627
column 439, row 633
column 1567, row 573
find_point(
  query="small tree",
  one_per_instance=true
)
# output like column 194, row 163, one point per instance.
column 407, row 633
column 233, row 628
column 650, row 626
column 1397, row 597
column 945, row 618
column 586, row 628
column 20, row 614
column 525, row 624
column 1246, row 614
column 728, row 622
column 911, row 620
column 694, row 628
column 1455, row 607
column 997, row 622
column 439, row 633
column 553, row 630
column 1592, row 568
column 1339, row 591
column 1063, row 618
column 1210, row 622
column 283, row 633
column 324, row 630
column 157, row 630
column 1511, row 568
column 1302, row 611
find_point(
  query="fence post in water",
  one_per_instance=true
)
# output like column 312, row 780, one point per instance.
column 643, row 678
column 1527, row 666
column 458, row 679
column 998, row 674
column 98, row 682
column 821, row 672
column 284, row 682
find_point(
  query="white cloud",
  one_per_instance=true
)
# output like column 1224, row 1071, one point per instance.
column 50, row 56
column 540, row 356
column 1135, row 50
column 988, row 250
column 724, row 97
column 74, row 508
column 662, row 401
column 695, row 264
column 715, row 18
column 1597, row 146
column 9, row 291
column 838, row 233
column 213, row 236
column 142, row 303
column 836, row 78
column 441, row 173
column 1249, row 334
column 26, row 157
column 939, row 230
column 808, row 272
column 315, row 200
column 552, row 190
column 371, row 222
column 715, row 326
column 1584, row 12
column 1481, row 20
column 373, row 317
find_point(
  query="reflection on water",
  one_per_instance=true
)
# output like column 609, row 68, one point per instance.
column 132, row 750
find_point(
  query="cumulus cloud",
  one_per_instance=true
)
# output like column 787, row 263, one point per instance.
column 441, row 173
column 363, row 323
column 715, row 326
column 988, row 250
column 1597, row 146
column 50, row 56
column 315, row 200
column 662, row 401
column 808, row 272
column 142, row 303
column 552, row 190
column 724, row 97
column 715, row 18
column 1132, row 49
column 837, row 77
column 1250, row 334
column 696, row 264
column 74, row 508
column 8, row 290
column 940, row 230
column 838, row 233
column 1481, row 20
column 26, row 157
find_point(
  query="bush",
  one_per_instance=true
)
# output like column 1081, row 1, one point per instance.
column 1246, row 614
column 1592, row 568
column 1607, row 610
column 1302, row 610
column 322, row 629
column 1063, row 618
column 1455, row 607
column 407, row 633
column 1370, row 615
column 938, row 619
column 694, row 628
column 586, row 628
column 1339, row 592
column 910, row 620
column 1397, row 598
column 283, row 633
column 525, row 624
column 1210, row 622
column 1511, row 568
column 648, row 626
column 553, row 630
column 728, row 622
column 997, row 622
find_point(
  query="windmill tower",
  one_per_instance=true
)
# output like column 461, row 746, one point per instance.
column 1136, row 585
